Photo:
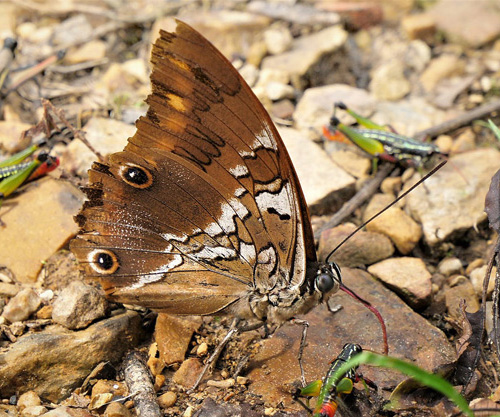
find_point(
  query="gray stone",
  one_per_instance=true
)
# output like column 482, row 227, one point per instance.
column 389, row 81
column 408, row 277
column 315, row 107
column 364, row 248
column 78, row 305
column 23, row 305
column 452, row 203
column 56, row 361
column 313, row 165
column 305, row 53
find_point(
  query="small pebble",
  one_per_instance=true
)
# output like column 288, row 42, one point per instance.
column 116, row 409
column 17, row 328
column 23, row 305
column 226, row 383
column 28, row 399
column 224, row 374
column 99, row 400
column 188, row 412
column 44, row 313
column 167, row 400
column 241, row 380
column 47, row 295
column 159, row 381
column 34, row 411
column 202, row 349
column 476, row 263
column 450, row 266
column 156, row 365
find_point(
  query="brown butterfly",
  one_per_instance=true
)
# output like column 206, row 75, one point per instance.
column 202, row 213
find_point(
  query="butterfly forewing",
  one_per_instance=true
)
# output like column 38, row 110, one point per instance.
column 203, row 206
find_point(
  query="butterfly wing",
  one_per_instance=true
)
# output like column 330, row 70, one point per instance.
column 203, row 206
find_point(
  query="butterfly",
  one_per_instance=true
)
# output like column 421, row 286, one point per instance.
column 202, row 213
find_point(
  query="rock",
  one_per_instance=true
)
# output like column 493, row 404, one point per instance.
column 78, row 305
column 100, row 400
column 23, row 305
column 167, row 399
column 270, row 75
column 302, row 14
column 465, row 142
column 115, row 409
column 394, row 223
column 417, row 55
column 232, row 32
column 476, row 263
column 55, row 361
column 389, row 82
column 72, row 31
column 8, row 20
column 11, row 135
column 34, row 411
column 256, row 53
column 28, row 399
column 444, row 143
column 313, row 165
column 351, row 161
column 105, row 135
column 224, row 384
column 448, row 206
column 173, row 334
column 42, row 212
column 278, row 39
column 444, row 66
column 391, row 186
column 359, row 15
column 364, row 248
column 109, row 387
column 60, row 412
column 277, row 91
column 250, row 74
column 477, row 278
column 282, row 109
column 408, row 116
column 408, row 277
column 461, row 290
column 306, row 51
column 276, row 365
column 8, row 290
column 453, row 17
column 202, row 349
column 59, row 271
column 315, row 107
column 450, row 266
column 419, row 26
column 90, row 51
column 188, row 372
column 447, row 91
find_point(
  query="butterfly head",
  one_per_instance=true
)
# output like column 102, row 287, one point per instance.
column 328, row 279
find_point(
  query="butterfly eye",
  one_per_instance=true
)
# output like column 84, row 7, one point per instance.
column 324, row 282
column 103, row 261
column 136, row 176
column 328, row 278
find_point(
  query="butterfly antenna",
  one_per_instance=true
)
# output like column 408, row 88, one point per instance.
column 369, row 306
column 386, row 208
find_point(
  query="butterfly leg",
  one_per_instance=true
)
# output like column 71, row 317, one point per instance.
column 305, row 325
column 334, row 309
column 233, row 331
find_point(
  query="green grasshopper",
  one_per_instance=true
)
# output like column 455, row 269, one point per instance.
column 330, row 389
column 17, row 169
column 380, row 141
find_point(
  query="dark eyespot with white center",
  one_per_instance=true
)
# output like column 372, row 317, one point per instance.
column 103, row 261
column 136, row 176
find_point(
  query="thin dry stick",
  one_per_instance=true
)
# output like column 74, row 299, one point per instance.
column 140, row 386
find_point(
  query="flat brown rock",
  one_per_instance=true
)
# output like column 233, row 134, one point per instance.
column 276, row 365
column 56, row 361
column 38, row 222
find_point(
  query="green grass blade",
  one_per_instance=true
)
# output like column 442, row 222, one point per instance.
column 425, row 378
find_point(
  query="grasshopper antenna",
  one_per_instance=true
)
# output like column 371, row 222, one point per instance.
column 386, row 208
